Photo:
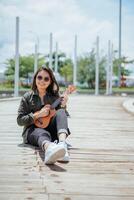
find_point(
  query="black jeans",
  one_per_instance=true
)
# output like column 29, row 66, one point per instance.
column 58, row 124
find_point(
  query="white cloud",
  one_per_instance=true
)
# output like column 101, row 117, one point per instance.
column 65, row 19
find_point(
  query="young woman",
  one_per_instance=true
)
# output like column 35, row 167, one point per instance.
column 45, row 91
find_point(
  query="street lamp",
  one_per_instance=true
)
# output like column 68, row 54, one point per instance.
column 36, row 51
column 16, row 82
column 120, row 23
column 50, row 50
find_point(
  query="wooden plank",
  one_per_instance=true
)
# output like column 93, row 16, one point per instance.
column 101, row 158
column 24, row 196
column 86, row 197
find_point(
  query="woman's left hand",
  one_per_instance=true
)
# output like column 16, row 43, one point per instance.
column 64, row 100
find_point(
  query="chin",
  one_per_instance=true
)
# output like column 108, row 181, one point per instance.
column 43, row 87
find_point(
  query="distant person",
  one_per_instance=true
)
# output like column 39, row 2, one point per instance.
column 34, row 110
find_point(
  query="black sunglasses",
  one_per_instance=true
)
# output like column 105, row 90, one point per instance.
column 46, row 79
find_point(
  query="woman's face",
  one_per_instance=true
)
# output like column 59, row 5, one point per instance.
column 43, row 80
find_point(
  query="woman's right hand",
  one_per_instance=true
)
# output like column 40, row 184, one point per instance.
column 43, row 112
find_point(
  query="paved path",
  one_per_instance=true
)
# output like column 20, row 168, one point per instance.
column 102, row 155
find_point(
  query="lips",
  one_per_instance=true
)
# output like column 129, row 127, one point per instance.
column 42, row 85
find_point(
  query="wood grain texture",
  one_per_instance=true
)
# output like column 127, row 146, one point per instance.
column 101, row 163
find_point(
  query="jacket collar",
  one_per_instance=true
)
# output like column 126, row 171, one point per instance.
column 36, row 93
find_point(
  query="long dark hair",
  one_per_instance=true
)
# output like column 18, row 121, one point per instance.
column 53, row 88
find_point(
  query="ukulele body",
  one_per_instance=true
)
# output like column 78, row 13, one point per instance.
column 43, row 122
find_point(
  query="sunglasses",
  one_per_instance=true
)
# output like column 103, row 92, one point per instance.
column 46, row 79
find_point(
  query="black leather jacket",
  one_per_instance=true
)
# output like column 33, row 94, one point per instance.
column 30, row 103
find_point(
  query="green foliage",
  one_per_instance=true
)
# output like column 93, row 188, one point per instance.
column 67, row 70
column 123, row 61
column 26, row 66
column 86, row 69
column 65, row 65
column 61, row 60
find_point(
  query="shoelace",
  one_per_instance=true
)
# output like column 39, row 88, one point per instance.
column 67, row 144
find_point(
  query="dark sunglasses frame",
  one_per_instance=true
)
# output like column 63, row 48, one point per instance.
column 46, row 79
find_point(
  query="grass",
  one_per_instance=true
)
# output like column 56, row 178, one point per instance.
column 128, row 89
column 103, row 91
column 7, row 87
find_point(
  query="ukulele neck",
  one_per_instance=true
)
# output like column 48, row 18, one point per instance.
column 56, row 103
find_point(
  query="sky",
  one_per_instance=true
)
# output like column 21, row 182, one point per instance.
column 86, row 18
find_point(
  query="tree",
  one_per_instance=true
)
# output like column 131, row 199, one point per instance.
column 26, row 65
column 123, row 61
column 67, row 70
column 61, row 58
column 86, row 69
column 65, row 65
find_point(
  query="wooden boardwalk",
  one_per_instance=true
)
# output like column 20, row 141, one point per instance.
column 101, row 158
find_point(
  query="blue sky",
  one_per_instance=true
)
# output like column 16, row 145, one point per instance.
column 64, row 19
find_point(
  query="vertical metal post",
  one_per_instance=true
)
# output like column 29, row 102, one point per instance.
column 111, row 68
column 75, row 62
column 120, row 23
column 16, row 83
column 108, row 69
column 56, row 58
column 50, row 51
column 97, row 67
column 36, row 50
column 36, row 58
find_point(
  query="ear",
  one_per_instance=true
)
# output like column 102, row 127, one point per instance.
column 55, row 87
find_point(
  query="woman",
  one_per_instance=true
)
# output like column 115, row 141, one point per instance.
column 45, row 91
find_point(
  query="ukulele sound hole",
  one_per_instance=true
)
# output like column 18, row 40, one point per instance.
column 40, row 121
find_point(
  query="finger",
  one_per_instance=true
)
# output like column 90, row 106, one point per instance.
column 47, row 106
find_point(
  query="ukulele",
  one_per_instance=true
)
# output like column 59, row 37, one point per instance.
column 43, row 122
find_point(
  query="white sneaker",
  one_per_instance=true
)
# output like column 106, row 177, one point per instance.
column 53, row 153
column 65, row 158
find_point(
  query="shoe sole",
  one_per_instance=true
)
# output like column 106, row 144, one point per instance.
column 54, row 157
column 63, row 161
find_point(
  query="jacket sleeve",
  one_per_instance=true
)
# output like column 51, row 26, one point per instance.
column 25, row 116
